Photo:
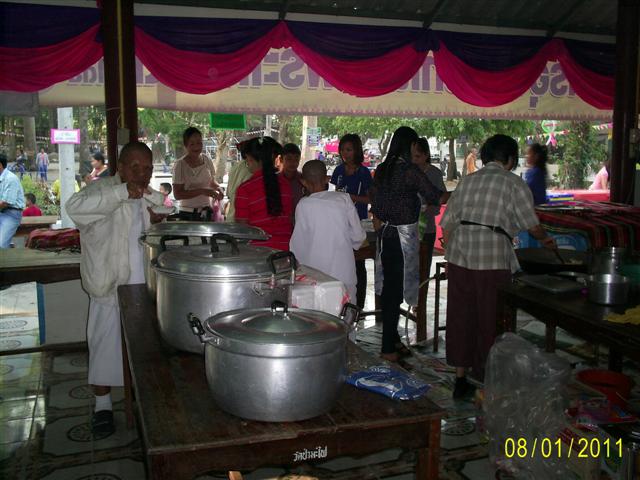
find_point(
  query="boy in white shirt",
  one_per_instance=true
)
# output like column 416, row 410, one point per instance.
column 327, row 228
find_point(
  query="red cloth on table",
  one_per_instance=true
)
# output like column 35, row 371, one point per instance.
column 44, row 239
column 605, row 224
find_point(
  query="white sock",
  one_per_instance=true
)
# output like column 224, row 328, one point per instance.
column 103, row 402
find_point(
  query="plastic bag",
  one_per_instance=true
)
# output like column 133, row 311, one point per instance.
column 525, row 398
column 391, row 383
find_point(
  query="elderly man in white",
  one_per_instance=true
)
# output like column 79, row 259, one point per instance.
column 111, row 215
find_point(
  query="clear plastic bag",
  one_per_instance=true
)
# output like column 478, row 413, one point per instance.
column 525, row 397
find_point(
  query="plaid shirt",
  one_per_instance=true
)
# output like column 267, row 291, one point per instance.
column 491, row 196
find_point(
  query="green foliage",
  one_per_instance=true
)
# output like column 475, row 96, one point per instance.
column 44, row 199
column 582, row 153
column 153, row 121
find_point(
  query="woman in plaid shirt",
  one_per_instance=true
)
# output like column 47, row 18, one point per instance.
column 485, row 212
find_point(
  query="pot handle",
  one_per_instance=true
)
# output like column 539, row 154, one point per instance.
column 274, row 257
column 166, row 238
column 279, row 307
column 228, row 239
column 350, row 315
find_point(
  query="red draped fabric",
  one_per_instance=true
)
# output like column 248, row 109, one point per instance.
column 33, row 69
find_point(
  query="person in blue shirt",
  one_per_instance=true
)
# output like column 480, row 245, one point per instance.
column 11, row 203
column 536, row 175
column 355, row 179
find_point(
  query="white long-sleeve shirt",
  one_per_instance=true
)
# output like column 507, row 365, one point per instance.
column 326, row 233
column 104, row 215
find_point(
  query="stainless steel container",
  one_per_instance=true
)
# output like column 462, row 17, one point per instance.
column 608, row 260
column 162, row 236
column 275, row 364
column 216, row 278
column 608, row 289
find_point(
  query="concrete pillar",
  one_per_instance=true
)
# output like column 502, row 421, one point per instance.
column 308, row 152
column 67, row 166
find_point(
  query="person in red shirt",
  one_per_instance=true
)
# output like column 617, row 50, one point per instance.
column 32, row 209
column 264, row 200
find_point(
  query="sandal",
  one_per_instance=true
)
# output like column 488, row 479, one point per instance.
column 398, row 361
column 403, row 350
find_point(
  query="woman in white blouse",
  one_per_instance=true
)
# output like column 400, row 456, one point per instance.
column 194, row 183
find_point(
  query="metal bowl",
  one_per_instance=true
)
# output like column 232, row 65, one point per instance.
column 607, row 289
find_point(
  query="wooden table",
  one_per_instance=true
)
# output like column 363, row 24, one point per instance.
column 185, row 434
column 21, row 265
column 28, row 224
column 573, row 313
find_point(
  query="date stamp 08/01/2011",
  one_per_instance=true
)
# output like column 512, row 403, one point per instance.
column 562, row 448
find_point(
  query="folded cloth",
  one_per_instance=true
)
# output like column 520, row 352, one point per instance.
column 388, row 382
column 631, row 316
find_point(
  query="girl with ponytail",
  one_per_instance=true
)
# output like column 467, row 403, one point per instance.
column 264, row 200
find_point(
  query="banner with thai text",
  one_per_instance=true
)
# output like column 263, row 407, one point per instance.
column 282, row 83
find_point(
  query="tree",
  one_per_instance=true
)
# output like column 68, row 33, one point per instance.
column 83, row 125
column 582, row 152
column 153, row 121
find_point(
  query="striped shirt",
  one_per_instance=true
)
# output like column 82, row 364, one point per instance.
column 251, row 206
column 491, row 196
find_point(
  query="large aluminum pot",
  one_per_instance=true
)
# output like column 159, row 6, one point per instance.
column 275, row 364
column 216, row 278
column 607, row 289
column 162, row 236
column 608, row 261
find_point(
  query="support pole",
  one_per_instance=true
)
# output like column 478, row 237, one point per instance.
column 66, row 158
column 119, row 76
column 625, row 112
column 308, row 151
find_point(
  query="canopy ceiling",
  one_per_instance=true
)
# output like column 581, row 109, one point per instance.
column 552, row 16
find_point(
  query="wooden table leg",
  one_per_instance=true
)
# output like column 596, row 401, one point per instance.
column 421, row 314
column 550, row 337
column 436, row 312
column 428, row 466
column 615, row 361
column 128, row 399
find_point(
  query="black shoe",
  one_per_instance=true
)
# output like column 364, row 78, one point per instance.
column 463, row 389
column 102, row 424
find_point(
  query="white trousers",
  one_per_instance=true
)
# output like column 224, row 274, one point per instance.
column 105, row 344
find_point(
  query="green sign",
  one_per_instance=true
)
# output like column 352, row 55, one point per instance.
column 227, row 121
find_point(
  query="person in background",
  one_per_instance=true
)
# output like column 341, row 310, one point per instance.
column 421, row 156
column 601, row 181
column 239, row 174
column 165, row 190
column 264, row 200
column 55, row 188
column 42, row 162
column 353, row 178
column 289, row 168
column 112, row 213
column 536, row 175
column 484, row 213
column 100, row 168
column 11, row 203
column 85, row 169
column 396, row 193
column 21, row 163
column 471, row 160
column 327, row 228
column 31, row 209
column 194, row 179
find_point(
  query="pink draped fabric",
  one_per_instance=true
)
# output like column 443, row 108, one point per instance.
column 33, row 69
column 364, row 78
column 202, row 73
column 597, row 90
column 490, row 88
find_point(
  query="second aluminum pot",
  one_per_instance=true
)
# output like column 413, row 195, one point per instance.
column 276, row 364
column 223, row 276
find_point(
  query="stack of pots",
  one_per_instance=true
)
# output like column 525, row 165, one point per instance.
column 218, row 277
column 163, row 236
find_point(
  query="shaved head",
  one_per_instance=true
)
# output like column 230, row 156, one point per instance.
column 314, row 171
column 126, row 154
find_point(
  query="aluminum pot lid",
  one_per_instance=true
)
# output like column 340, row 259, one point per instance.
column 239, row 231
column 279, row 326
column 226, row 259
